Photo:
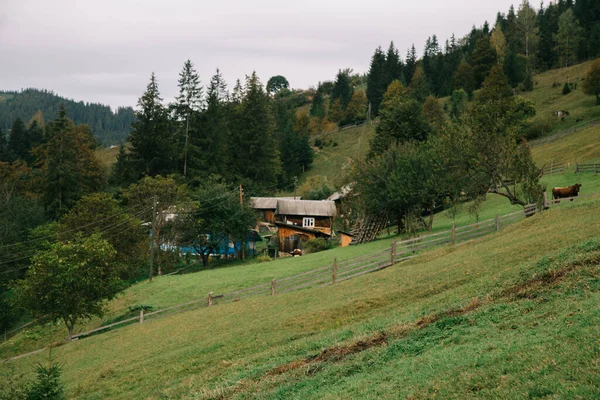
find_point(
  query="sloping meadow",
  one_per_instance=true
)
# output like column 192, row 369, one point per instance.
column 512, row 315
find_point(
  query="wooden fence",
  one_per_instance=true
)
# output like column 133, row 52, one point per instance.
column 582, row 168
column 553, row 202
column 553, row 168
column 339, row 270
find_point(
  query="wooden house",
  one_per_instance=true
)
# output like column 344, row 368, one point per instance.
column 301, row 220
column 266, row 207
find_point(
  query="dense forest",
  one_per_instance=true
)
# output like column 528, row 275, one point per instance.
column 109, row 127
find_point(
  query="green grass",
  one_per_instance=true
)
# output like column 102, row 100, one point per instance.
column 107, row 156
column 344, row 148
column 579, row 147
column 483, row 319
column 548, row 99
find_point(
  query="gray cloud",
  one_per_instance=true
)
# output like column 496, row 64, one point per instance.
column 104, row 51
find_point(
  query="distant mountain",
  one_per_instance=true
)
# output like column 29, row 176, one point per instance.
column 110, row 127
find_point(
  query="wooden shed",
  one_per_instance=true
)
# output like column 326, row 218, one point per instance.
column 345, row 239
column 292, row 237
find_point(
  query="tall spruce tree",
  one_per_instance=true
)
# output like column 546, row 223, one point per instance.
column 189, row 101
column 153, row 141
column 317, row 108
column 376, row 82
column 70, row 167
column 17, row 143
column 342, row 89
column 211, row 134
column 393, row 65
column 3, row 147
column 255, row 154
column 411, row 65
column 483, row 59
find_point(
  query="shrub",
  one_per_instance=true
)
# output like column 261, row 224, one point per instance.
column 538, row 128
column 566, row 89
column 47, row 385
column 264, row 258
column 316, row 245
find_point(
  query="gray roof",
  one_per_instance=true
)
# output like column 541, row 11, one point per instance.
column 312, row 208
column 268, row 203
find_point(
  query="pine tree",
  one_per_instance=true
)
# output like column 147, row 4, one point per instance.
column 3, row 147
column 211, row 133
column 121, row 173
column 342, row 89
column 495, row 87
column 376, row 82
column 70, row 167
column 464, row 78
column 189, row 101
column 393, row 66
column 255, row 148
column 153, row 142
column 411, row 65
column 317, row 108
column 17, row 143
column 483, row 59
column 546, row 55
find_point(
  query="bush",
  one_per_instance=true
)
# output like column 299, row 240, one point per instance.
column 538, row 128
column 264, row 258
column 566, row 89
column 316, row 245
column 47, row 385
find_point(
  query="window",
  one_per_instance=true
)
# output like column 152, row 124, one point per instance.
column 308, row 222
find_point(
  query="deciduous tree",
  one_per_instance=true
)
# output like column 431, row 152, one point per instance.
column 591, row 84
column 70, row 281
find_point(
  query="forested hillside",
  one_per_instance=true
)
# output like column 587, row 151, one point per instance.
column 110, row 127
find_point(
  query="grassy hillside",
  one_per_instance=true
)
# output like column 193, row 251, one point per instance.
column 581, row 146
column 478, row 320
column 547, row 96
column 107, row 156
column 342, row 150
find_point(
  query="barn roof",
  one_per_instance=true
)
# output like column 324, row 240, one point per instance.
column 268, row 203
column 312, row 208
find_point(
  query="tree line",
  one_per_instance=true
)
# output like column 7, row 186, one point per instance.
column 245, row 137
column 109, row 127
column 521, row 42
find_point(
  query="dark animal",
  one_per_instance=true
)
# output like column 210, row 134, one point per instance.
column 296, row 252
column 569, row 191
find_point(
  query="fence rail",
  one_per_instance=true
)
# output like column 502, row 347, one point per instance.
column 583, row 168
column 340, row 270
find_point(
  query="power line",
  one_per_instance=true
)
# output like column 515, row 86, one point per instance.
column 27, row 257
column 72, row 230
column 104, row 230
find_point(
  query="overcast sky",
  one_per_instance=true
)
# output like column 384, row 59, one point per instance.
column 104, row 50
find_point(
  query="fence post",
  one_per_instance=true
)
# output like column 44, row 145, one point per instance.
column 210, row 299
column 142, row 316
column 595, row 170
column 546, row 206
column 273, row 283
column 393, row 252
column 334, row 270
column 453, row 232
column 576, row 167
column 552, row 167
column 497, row 223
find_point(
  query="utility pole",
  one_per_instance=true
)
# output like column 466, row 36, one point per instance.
column 243, row 242
column 152, row 231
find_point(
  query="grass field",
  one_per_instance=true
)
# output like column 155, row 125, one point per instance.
column 107, row 156
column 579, row 147
column 548, row 98
column 478, row 320
column 343, row 149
